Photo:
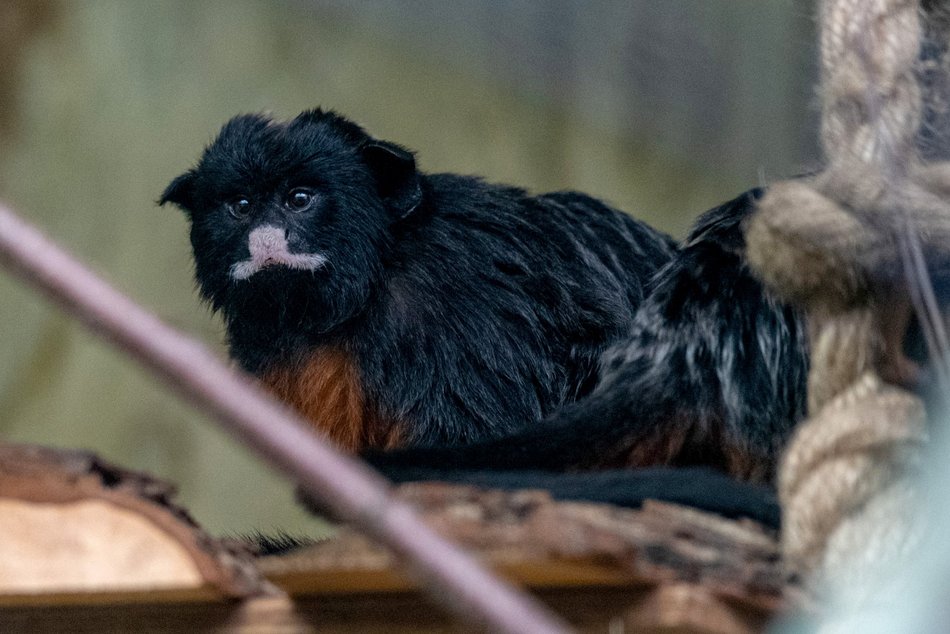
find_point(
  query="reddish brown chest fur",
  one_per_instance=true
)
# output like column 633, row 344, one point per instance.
column 325, row 388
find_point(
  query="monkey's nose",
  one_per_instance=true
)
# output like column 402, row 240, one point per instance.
column 267, row 242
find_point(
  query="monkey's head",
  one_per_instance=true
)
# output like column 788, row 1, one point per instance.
column 296, row 213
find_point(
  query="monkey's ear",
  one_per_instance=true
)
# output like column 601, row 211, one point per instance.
column 394, row 168
column 181, row 192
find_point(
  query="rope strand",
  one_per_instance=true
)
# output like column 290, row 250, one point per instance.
column 835, row 244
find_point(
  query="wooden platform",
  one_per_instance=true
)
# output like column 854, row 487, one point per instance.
column 662, row 568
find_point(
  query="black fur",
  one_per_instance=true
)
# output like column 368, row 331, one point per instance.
column 698, row 487
column 278, row 543
column 471, row 310
column 710, row 356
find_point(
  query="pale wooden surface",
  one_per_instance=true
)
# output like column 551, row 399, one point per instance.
column 63, row 548
column 73, row 523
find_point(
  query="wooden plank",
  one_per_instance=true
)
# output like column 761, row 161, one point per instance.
column 536, row 541
column 603, row 609
column 537, row 575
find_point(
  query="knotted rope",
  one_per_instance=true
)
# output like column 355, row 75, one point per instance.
column 832, row 244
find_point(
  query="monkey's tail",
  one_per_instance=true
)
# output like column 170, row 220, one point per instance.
column 595, row 433
column 698, row 487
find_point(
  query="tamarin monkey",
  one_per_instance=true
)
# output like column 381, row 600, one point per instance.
column 452, row 329
column 394, row 308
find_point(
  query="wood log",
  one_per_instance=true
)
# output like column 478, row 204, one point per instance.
column 73, row 524
column 662, row 568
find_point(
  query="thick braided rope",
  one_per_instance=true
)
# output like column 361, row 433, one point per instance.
column 870, row 96
column 816, row 241
column 824, row 243
column 865, row 441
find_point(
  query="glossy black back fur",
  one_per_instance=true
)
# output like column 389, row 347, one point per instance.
column 471, row 310
column 710, row 355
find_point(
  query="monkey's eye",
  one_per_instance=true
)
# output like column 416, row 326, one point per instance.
column 240, row 207
column 299, row 198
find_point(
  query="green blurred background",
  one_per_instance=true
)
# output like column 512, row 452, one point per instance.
column 662, row 108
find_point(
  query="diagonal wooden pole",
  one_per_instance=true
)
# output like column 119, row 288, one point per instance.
column 353, row 491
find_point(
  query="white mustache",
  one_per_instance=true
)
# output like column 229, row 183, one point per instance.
column 268, row 247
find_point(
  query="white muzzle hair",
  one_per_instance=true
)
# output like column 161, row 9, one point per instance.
column 268, row 247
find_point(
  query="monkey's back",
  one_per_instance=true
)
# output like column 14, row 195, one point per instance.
column 497, row 305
